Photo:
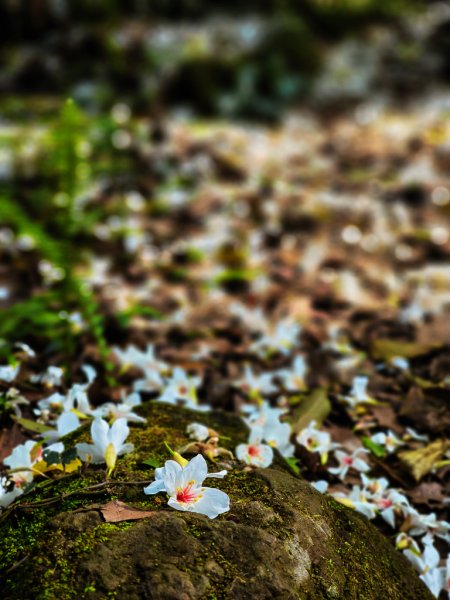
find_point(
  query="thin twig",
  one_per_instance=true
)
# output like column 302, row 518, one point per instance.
column 86, row 490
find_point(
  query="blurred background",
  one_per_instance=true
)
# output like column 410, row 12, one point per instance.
column 247, row 59
column 156, row 153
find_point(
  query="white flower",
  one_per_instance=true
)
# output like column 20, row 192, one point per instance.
column 52, row 403
column 51, row 377
column 197, row 431
column 388, row 440
column 8, row 373
column 152, row 381
column 65, row 423
column 282, row 339
column 181, row 386
column 358, row 394
column 388, row 501
column 275, row 433
column 254, row 319
column 25, row 348
column 20, row 458
column 427, row 563
column 8, row 495
column 358, row 500
column 133, row 357
column 255, row 453
column 293, row 379
column 184, row 487
column 255, row 385
column 321, row 485
column 278, row 436
column 418, row 437
column 316, row 441
column 420, row 524
column 347, row 461
column 108, row 442
column 124, row 410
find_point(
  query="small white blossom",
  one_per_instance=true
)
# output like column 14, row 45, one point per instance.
column 315, row 440
column 8, row 495
column 349, row 461
column 255, row 453
column 358, row 393
column 25, row 348
column 274, row 432
column 51, row 377
column 124, row 410
column 388, row 440
column 181, row 386
column 255, row 386
column 151, row 382
column 293, row 379
column 65, row 423
column 197, row 431
column 8, row 373
column 109, row 442
column 426, row 564
column 358, row 500
column 321, row 485
column 282, row 339
column 133, row 357
column 184, row 488
column 418, row 437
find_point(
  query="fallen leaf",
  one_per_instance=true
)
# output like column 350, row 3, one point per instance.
column 421, row 461
column 426, row 492
column 386, row 349
column 117, row 511
column 315, row 407
column 32, row 425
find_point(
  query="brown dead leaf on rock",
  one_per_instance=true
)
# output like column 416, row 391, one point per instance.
column 117, row 511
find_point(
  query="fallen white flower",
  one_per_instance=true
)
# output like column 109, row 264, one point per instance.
column 184, row 487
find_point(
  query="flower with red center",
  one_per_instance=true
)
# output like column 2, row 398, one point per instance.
column 254, row 453
column 349, row 461
column 189, row 493
column 185, row 489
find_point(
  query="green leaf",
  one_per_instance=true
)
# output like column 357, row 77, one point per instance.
column 152, row 462
column 315, row 407
column 293, row 464
column 32, row 425
column 375, row 448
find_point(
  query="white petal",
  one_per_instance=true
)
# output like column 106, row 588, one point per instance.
column 118, row 433
column 219, row 475
column 172, row 474
column 196, row 470
column 99, row 433
column 125, row 448
column 389, row 516
column 213, row 503
column 155, row 487
column 66, row 423
column 85, row 450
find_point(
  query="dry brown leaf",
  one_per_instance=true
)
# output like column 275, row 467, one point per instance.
column 426, row 492
column 116, row 511
column 421, row 461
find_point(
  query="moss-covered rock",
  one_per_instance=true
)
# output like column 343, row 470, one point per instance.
column 281, row 538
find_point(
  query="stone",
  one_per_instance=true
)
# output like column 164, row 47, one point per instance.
column 281, row 538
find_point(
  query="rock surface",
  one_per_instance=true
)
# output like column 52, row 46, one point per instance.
column 281, row 538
